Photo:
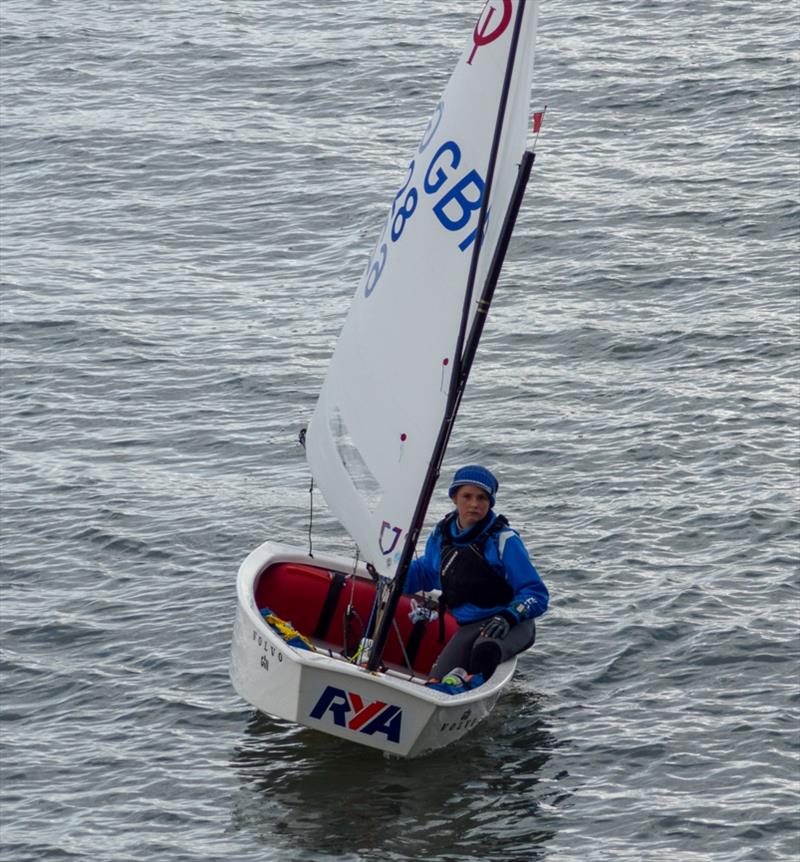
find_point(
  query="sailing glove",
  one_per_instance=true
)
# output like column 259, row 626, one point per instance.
column 497, row 627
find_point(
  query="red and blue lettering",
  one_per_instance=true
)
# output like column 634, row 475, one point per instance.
column 349, row 710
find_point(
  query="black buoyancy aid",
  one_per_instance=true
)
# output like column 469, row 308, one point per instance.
column 467, row 576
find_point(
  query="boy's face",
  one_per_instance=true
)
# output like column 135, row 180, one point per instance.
column 472, row 504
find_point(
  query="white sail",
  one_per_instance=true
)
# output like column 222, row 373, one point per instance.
column 372, row 435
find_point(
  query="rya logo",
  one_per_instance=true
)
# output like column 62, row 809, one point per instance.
column 348, row 710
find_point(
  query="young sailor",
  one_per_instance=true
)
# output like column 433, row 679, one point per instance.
column 487, row 580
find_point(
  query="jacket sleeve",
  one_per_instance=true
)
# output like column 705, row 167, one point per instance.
column 423, row 573
column 531, row 596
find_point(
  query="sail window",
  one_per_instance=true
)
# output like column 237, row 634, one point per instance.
column 353, row 462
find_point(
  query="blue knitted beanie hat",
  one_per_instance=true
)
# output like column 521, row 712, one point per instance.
column 473, row 474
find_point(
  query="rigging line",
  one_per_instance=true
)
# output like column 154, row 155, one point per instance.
column 350, row 608
column 493, row 274
column 382, row 596
column 353, row 576
column 301, row 439
column 350, row 614
column 403, row 648
column 458, row 377
column 310, row 516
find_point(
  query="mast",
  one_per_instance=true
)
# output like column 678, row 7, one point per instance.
column 465, row 347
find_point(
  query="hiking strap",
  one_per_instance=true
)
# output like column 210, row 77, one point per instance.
column 414, row 641
column 338, row 580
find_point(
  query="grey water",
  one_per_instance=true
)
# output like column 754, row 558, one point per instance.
column 189, row 194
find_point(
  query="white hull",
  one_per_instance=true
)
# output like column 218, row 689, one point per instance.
column 391, row 710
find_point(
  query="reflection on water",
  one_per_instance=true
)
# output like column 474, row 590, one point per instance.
column 485, row 797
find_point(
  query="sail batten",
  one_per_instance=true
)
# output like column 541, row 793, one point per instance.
column 394, row 373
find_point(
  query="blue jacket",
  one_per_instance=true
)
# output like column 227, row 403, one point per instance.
column 530, row 594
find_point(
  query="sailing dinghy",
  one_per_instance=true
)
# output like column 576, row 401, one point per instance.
column 318, row 640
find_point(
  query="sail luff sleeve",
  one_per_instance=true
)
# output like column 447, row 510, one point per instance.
column 484, row 208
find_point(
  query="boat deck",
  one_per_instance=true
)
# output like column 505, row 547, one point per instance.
column 315, row 601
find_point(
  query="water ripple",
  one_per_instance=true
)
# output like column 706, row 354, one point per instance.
column 188, row 200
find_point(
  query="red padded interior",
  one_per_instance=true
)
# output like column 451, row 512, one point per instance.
column 297, row 592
